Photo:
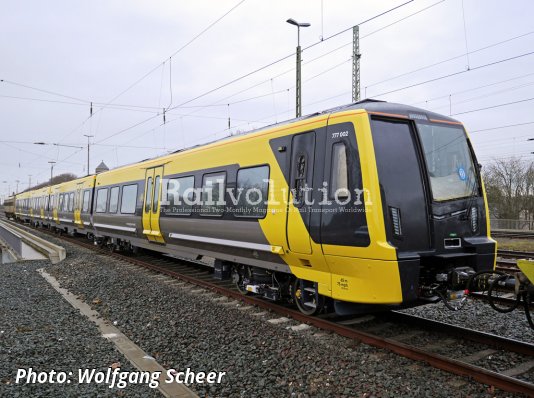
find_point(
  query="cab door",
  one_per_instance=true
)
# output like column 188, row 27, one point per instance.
column 301, row 182
column 152, row 205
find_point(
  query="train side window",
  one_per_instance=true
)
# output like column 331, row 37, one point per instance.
column 114, row 200
column 60, row 203
column 71, row 201
column 129, row 199
column 300, row 179
column 101, row 200
column 213, row 187
column 148, row 195
column 252, row 191
column 85, row 207
column 178, row 203
column 47, row 203
column 339, row 179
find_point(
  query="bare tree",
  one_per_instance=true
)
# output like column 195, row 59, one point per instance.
column 55, row 180
column 510, row 188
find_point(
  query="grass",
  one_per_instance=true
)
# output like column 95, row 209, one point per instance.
column 515, row 244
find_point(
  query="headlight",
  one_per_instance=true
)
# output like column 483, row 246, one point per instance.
column 473, row 219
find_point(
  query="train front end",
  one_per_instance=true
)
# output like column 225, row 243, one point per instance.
column 433, row 202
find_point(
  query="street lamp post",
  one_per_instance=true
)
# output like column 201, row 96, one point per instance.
column 88, row 145
column 56, row 144
column 52, row 163
column 298, row 92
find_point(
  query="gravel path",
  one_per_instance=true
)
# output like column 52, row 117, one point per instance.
column 39, row 329
column 182, row 326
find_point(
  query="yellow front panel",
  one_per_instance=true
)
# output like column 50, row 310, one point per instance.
column 527, row 267
column 363, row 280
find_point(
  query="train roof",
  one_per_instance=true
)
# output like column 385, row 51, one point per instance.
column 369, row 105
column 392, row 108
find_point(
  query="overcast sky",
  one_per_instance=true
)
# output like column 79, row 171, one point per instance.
column 102, row 52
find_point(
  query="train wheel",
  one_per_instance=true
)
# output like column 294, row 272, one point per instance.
column 307, row 298
column 239, row 278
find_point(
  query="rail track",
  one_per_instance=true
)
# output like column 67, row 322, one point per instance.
column 406, row 335
column 512, row 234
column 506, row 259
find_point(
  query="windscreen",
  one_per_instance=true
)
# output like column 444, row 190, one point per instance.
column 449, row 161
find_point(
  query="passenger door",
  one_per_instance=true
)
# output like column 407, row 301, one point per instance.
column 300, row 188
column 78, row 206
column 55, row 208
column 152, row 205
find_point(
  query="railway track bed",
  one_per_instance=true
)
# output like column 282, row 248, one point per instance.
column 498, row 360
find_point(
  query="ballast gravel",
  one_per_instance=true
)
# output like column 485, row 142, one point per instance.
column 478, row 315
column 42, row 331
column 185, row 329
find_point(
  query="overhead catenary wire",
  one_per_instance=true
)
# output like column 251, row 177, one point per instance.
column 146, row 74
column 155, row 68
column 176, row 52
column 494, row 106
column 288, row 56
column 133, row 107
column 501, row 127
column 253, row 97
column 455, row 73
column 504, row 90
column 450, row 59
column 455, row 93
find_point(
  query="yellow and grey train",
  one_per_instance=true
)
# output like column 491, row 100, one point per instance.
column 370, row 205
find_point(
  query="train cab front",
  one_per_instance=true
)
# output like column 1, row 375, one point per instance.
column 433, row 202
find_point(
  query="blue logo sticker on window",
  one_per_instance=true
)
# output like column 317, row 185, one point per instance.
column 461, row 173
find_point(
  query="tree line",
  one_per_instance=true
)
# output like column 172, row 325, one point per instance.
column 510, row 189
column 55, row 180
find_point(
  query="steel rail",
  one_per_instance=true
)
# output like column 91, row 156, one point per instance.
column 485, row 338
column 438, row 361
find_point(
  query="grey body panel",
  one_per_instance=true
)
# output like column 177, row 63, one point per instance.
column 213, row 227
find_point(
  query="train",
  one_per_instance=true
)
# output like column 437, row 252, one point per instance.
column 366, row 206
column 9, row 207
